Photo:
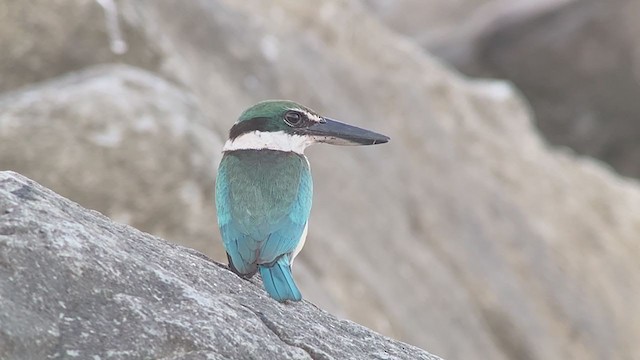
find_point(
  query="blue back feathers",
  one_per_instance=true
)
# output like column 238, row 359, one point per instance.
column 263, row 199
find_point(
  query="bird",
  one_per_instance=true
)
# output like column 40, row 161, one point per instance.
column 264, row 190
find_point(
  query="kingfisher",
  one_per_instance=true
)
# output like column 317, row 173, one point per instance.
column 264, row 188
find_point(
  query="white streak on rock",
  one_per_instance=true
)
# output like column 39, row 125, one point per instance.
column 116, row 41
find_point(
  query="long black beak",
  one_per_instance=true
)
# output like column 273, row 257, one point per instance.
column 335, row 132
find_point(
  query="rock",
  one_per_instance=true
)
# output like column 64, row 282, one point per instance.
column 427, row 21
column 578, row 64
column 433, row 23
column 120, row 140
column 68, row 35
column 73, row 284
column 466, row 234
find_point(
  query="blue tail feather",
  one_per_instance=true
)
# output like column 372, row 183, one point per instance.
column 278, row 280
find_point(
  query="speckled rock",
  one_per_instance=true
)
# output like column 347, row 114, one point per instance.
column 578, row 63
column 120, row 140
column 73, row 284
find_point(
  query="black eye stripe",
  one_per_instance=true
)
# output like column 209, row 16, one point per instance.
column 255, row 124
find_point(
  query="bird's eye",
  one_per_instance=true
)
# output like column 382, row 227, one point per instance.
column 293, row 118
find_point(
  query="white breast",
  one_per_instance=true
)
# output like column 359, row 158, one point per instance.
column 303, row 238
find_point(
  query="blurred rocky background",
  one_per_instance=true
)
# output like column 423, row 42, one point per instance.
column 468, row 235
column 576, row 62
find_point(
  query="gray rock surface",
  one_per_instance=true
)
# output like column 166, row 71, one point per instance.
column 121, row 140
column 427, row 21
column 434, row 23
column 465, row 235
column 73, row 284
column 577, row 63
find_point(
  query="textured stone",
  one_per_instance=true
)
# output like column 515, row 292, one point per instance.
column 119, row 140
column 427, row 21
column 579, row 65
column 73, row 284
column 42, row 39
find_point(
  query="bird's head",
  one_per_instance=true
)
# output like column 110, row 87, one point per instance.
column 287, row 126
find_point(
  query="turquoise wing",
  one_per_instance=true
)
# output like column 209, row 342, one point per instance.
column 263, row 201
